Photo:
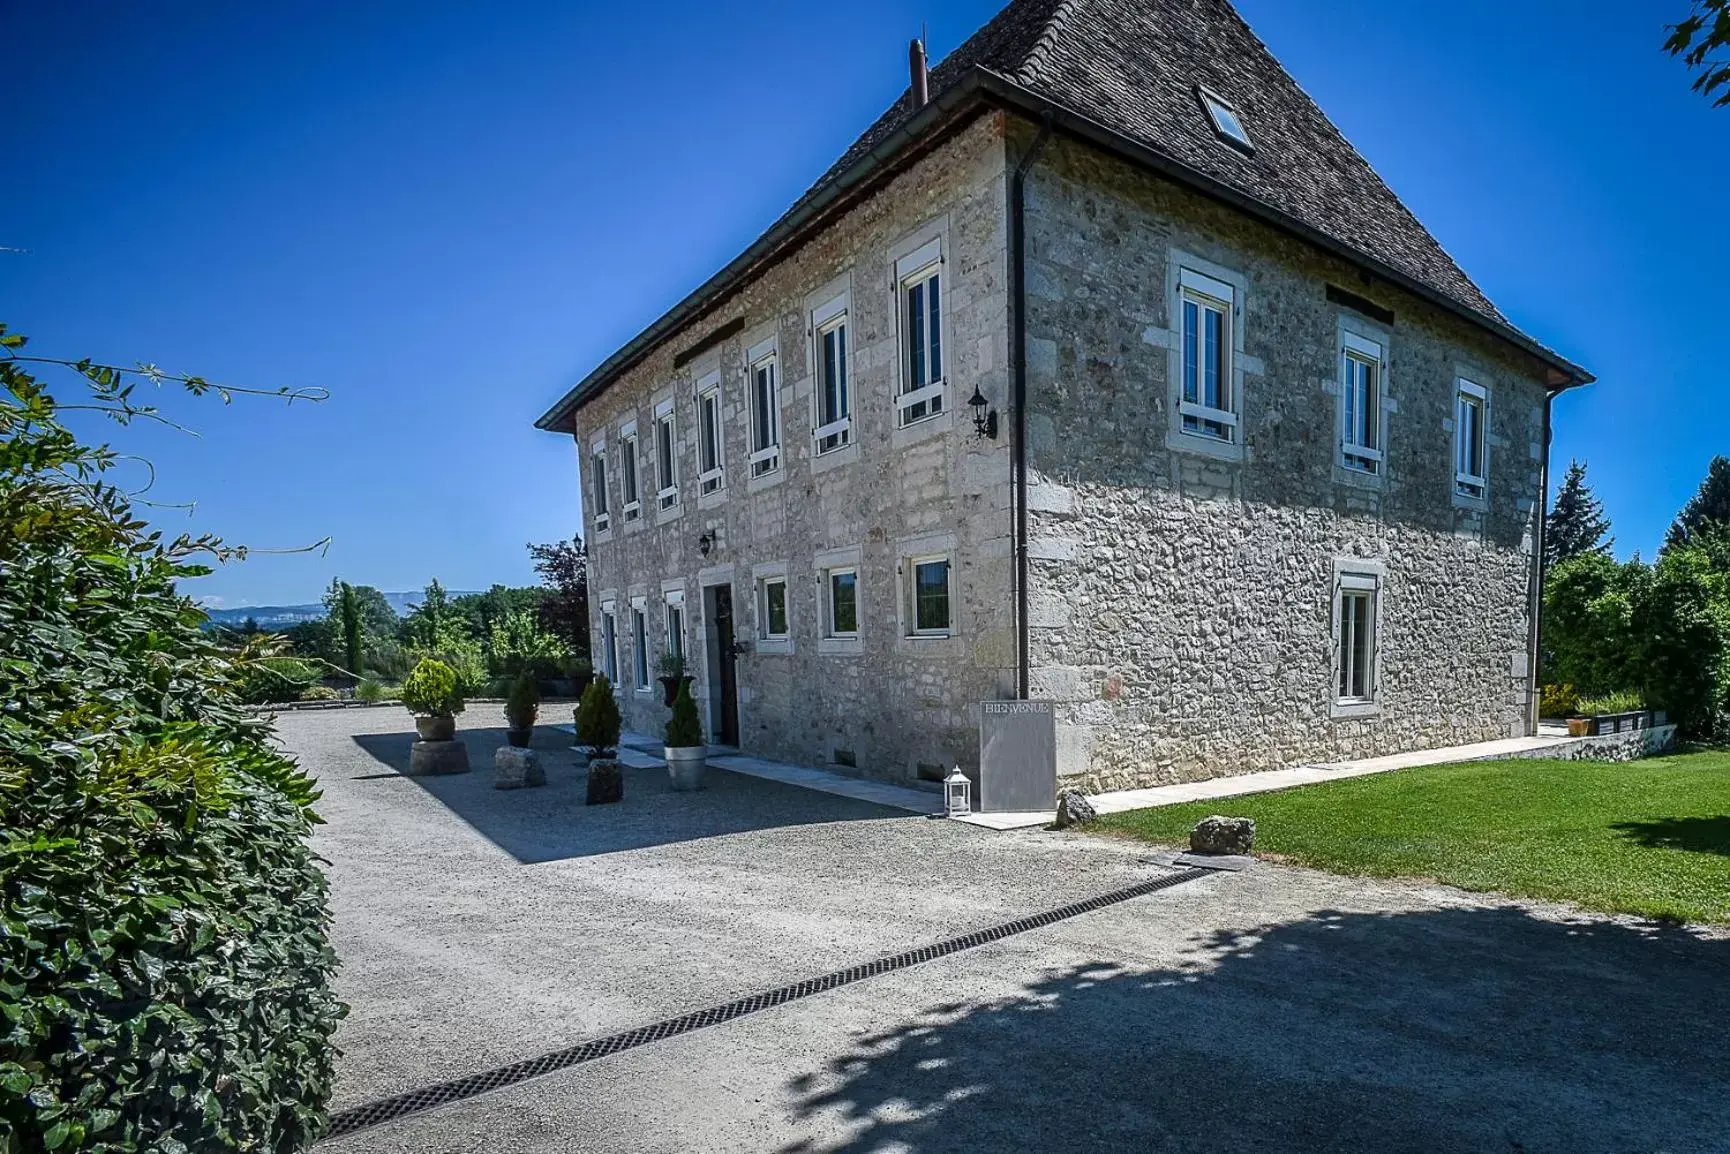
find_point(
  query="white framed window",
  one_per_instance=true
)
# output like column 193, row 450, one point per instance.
column 598, row 486
column 610, row 641
column 1362, row 368
column 675, row 623
column 640, row 642
column 629, row 471
column 841, row 603
column 1471, row 439
column 834, row 402
column 1357, row 657
column 666, row 456
column 930, row 596
column 1207, row 401
column 711, row 471
column 763, row 375
column 919, row 304
column 772, row 608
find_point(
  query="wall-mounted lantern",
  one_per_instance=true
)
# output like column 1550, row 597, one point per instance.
column 957, row 794
column 706, row 543
column 984, row 416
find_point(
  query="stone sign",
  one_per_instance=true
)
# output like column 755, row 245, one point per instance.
column 1017, row 757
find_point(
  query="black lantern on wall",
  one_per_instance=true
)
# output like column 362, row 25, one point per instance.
column 984, row 416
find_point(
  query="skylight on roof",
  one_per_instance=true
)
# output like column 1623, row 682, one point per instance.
column 1225, row 119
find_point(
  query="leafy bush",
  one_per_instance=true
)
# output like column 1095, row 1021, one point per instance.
column 598, row 721
column 516, row 643
column 1588, row 633
column 1557, row 701
column 319, row 693
column 164, row 973
column 671, row 665
column 431, row 690
column 524, row 702
column 387, row 658
column 270, row 679
column 684, row 729
column 1684, row 625
column 369, row 691
column 1627, row 701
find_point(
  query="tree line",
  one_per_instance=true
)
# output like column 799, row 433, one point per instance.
column 1658, row 631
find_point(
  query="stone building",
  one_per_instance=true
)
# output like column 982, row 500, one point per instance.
column 1101, row 369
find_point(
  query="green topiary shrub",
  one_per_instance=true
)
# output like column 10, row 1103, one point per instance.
column 164, row 971
column 598, row 720
column 431, row 690
column 684, row 729
column 524, row 703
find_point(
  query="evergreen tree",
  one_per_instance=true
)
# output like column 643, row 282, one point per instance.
column 1711, row 505
column 350, row 606
column 1577, row 525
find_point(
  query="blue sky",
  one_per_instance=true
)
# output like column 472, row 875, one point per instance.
column 446, row 213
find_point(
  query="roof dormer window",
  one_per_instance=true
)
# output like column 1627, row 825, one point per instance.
column 1226, row 120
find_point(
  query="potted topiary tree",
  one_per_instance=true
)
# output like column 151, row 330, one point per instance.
column 432, row 694
column 598, row 726
column 687, row 756
column 521, row 708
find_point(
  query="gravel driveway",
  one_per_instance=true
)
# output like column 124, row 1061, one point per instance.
column 1274, row 1009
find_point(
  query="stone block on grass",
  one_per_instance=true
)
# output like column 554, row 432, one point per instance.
column 1222, row 835
column 1073, row 808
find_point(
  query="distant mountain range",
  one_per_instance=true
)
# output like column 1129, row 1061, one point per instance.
column 282, row 616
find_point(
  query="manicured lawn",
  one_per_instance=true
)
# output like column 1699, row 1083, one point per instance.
column 1649, row 837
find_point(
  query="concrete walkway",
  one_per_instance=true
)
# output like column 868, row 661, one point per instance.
column 640, row 751
column 1119, row 801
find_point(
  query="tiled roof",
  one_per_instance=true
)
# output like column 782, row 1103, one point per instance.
column 1133, row 66
column 1130, row 69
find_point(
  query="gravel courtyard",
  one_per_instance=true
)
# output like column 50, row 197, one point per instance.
column 1274, row 1009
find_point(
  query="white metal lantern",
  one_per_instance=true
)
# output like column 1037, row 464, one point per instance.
column 958, row 794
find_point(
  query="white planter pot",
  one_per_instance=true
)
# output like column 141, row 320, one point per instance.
column 685, row 765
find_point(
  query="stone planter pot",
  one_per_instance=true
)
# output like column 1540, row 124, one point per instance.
column 519, row 738
column 606, row 781
column 685, row 766
column 438, row 727
column 670, row 689
column 437, row 758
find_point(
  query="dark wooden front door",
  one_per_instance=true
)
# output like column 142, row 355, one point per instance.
column 726, row 662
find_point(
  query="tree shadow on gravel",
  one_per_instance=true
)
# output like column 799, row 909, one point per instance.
column 1699, row 834
column 552, row 822
column 1480, row 1029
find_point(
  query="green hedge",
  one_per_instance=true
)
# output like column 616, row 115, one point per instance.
column 164, row 969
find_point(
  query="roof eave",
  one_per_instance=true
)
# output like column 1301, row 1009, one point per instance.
column 942, row 109
column 1001, row 89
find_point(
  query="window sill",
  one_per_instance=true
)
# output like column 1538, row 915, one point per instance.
column 710, row 500
column 922, row 430
column 775, row 645
column 672, row 513
column 1359, row 478
column 840, row 647
column 1202, row 445
column 1345, row 710
column 834, row 458
column 767, row 481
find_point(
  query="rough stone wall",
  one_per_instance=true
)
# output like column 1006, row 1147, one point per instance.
column 892, row 702
column 1182, row 602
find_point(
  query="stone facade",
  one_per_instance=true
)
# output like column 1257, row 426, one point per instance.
column 886, row 703
column 1183, row 592
column 1182, row 595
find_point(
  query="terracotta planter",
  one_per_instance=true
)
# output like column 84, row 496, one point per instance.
column 1579, row 727
column 520, row 738
column 438, row 727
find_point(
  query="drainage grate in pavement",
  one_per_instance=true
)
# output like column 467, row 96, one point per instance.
column 431, row 1097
